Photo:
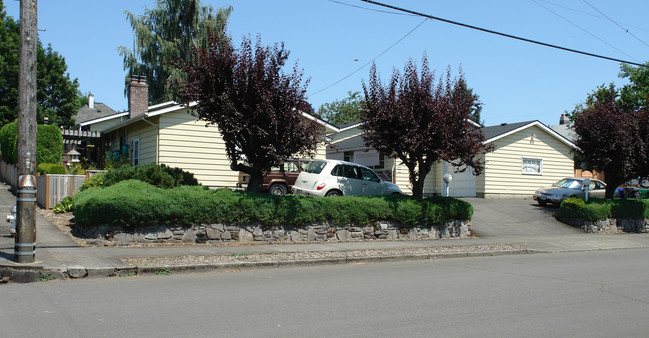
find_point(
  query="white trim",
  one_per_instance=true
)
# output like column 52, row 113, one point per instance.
column 475, row 123
column 531, row 124
column 540, row 160
column 167, row 107
column 321, row 122
column 102, row 119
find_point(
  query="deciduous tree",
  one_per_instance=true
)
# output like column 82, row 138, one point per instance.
column 253, row 103
column 613, row 136
column 167, row 33
column 343, row 111
column 422, row 123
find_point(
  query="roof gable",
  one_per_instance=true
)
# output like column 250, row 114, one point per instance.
column 493, row 133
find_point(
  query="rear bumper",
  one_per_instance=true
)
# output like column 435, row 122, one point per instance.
column 306, row 192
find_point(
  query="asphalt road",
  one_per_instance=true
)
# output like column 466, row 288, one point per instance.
column 595, row 293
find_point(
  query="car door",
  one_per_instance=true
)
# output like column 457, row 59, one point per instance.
column 599, row 190
column 352, row 185
column 371, row 183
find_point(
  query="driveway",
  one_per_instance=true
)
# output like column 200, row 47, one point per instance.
column 515, row 218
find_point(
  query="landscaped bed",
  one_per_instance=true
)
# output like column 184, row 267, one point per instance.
column 606, row 215
column 133, row 210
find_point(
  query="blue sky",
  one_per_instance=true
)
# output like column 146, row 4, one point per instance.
column 516, row 81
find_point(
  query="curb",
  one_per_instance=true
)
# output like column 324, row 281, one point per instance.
column 29, row 274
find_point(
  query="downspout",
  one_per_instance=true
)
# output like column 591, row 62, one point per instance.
column 157, row 139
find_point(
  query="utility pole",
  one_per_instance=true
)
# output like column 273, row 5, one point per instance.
column 25, row 245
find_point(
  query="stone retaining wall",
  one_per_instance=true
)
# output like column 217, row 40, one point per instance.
column 255, row 233
column 610, row 225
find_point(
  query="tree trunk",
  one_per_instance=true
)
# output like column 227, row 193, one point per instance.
column 256, row 180
column 612, row 182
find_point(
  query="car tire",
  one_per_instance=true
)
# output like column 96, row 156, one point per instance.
column 333, row 193
column 543, row 203
column 278, row 189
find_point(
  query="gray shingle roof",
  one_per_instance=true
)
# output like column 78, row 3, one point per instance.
column 503, row 128
column 86, row 114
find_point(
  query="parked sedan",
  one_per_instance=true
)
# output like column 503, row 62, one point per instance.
column 569, row 187
column 335, row 178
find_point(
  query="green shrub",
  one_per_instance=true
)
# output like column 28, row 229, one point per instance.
column 160, row 176
column 96, row 180
column 49, row 143
column 599, row 209
column 8, row 139
column 66, row 205
column 51, row 168
column 136, row 203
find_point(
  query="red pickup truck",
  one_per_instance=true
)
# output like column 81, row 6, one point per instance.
column 280, row 179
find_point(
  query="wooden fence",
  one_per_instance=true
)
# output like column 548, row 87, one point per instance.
column 50, row 189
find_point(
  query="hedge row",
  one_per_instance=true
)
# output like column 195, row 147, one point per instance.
column 598, row 209
column 49, row 143
column 135, row 203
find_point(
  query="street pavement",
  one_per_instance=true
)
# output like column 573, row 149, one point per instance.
column 495, row 222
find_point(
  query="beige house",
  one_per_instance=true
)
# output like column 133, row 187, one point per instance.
column 528, row 155
column 168, row 134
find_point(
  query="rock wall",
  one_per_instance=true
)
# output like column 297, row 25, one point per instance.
column 610, row 225
column 256, row 233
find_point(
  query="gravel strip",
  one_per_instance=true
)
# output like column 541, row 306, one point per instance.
column 296, row 256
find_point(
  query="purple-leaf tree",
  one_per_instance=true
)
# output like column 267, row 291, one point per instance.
column 422, row 122
column 256, row 107
column 613, row 137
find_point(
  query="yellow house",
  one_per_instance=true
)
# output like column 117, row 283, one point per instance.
column 527, row 155
column 168, row 134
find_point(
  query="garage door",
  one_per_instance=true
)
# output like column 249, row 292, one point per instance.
column 463, row 184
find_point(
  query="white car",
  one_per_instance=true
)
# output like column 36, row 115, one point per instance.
column 322, row 178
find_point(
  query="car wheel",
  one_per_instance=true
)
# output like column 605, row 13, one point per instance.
column 278, row 189
column 543, row 203
column 334, row 193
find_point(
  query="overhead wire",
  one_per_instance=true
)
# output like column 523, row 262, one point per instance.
column 590, row 14
column 617, row 24
column 585, row 31
column 369, row 9
column 504, row 34
column 372, row 60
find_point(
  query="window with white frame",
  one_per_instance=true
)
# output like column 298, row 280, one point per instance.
column 532, row 166
column 136, row 150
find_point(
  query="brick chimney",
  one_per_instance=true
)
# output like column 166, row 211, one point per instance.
column 563, row 119
column 138, row 96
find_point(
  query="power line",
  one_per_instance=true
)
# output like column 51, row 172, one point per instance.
column 613, row 21
column 591, row 14
column 376, row 57
column 503, row 34
column 368, row 9
column 584, row 30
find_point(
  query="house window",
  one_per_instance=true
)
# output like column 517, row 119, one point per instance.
column 348, row 156
column 532, row 166
column 136, row 151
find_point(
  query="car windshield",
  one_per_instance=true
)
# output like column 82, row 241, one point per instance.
column 568, row 184
column 315, row 167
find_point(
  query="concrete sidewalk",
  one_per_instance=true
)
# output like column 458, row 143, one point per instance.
column 59, row 257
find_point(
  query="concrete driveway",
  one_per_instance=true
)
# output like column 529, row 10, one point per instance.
column 515, row 218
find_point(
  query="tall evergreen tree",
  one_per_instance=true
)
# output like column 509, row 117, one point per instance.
column 56, row 92
column 165, row 35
